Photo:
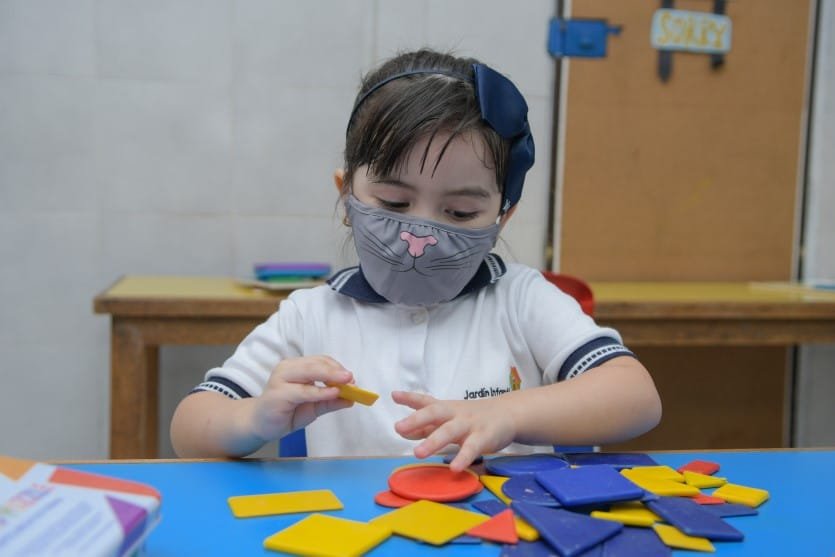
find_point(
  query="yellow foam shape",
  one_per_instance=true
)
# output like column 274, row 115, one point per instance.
column 744, row 495
column 702, row 481
column 245, row 506
column 629, row 514
column 494, row 484
column 662, row 487
column 429, row 521
column 657, row 473
column 673, row 537
column 327, row 536
column 352, row 392
column 524, row 530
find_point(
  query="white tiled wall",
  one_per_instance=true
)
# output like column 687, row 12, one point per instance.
column 191, row 137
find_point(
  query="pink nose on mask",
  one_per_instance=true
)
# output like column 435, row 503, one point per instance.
column 417, row 243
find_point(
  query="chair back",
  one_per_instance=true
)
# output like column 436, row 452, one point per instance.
column 575, row 287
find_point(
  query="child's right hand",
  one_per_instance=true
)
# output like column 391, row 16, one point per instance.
column 291, row 400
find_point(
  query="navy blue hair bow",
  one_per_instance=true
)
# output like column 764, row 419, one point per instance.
column 503, row 108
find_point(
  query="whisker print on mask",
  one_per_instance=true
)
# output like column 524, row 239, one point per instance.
column 465, row 253
column 382, row 246
column 447, row 267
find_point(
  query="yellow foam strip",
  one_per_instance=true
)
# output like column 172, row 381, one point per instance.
column 673, row 537
column 703, row 481
column 744, row 495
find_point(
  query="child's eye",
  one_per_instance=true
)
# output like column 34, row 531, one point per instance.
column 393, row 205
column 463, row 215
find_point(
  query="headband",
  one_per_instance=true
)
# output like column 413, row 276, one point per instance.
column 502, row 107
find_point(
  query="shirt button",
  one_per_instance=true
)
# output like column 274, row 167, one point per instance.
column 418, row 317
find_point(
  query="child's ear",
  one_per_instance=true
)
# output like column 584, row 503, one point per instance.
column 339, row 179
column 506, row 217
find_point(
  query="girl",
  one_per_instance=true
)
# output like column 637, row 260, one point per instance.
column 473, row 352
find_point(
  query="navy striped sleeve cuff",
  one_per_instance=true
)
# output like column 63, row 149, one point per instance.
column 591, row 355
column 223, row 386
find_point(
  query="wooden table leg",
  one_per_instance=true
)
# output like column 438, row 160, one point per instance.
column 134, row 371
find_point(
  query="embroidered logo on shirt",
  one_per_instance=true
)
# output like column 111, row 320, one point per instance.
column 515, row 380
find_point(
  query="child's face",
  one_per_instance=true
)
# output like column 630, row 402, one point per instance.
column 462, row 191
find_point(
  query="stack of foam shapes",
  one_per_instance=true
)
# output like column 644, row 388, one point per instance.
column 529, row 549
column 491, row 508
column 500, row 528
column 703, row 499
column 656, row 473
column 743, row 495
column 568, row 533
column 290, row 272
column 525, row 464
column 525, row 488
column 49, row 510
column 694, row 520
column 616, row 460
column 429, row 522
column 327, row 536
column 391, row 500
column 629, row 514
column 632, row 542
column 589, row 485
column 247, row 506
column 673, row 537
column 434, row 482
column 701, row 466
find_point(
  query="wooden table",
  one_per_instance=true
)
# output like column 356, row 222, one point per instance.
column 148, row 311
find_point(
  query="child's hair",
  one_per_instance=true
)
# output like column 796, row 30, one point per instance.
column 393, row 112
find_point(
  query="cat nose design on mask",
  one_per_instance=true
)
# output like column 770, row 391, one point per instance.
column 417, row 244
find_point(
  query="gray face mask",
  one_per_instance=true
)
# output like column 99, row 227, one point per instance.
column 412, row 261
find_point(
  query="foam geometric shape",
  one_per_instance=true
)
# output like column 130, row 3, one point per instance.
column 494, row 485
column 692, row 519
column 701, row 466
column 246, row 506
column 635, row 541
column 569, row 533
column 327, row 536
column 491, row 508
column 657, row 473
column 702, row 481
column 429, row 521
column 673, row 537
column 500, row 528
column 630, row 514
column 589, row 484
column 744, row 495
column 523, row 464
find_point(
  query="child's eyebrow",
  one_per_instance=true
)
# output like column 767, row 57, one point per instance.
column 464, row 191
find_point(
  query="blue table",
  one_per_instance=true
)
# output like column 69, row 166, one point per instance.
column 798, row 519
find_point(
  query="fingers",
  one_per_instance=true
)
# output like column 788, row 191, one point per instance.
column 312, row 369
column 449, row 433
column 415, row 401
column 467, row 454
column 427, row 417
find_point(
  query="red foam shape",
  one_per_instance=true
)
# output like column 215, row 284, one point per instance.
column 707, row 500
column 700, row 466
column 391, row 500
column 501, row 528
column 435, row 483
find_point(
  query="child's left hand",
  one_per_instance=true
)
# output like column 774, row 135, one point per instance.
column 477, row 426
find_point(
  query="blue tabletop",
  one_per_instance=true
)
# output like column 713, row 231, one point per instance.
column 797, row 520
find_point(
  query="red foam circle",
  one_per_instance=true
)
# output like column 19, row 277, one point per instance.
column 433, row 482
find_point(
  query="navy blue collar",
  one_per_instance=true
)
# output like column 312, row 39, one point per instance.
column 352, row 282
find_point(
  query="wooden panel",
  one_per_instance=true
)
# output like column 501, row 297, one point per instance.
column 713, row 399
column 691, row 179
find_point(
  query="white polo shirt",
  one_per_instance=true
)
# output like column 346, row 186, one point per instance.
column 519, row 332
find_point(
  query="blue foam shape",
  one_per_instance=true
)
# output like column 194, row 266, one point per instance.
column 589, row 485
column 490, row 507
column 635, row 541
column 528, row 549
column 569, row 533
column 523, row 464
column 731, row 509
column 525, row 488
column 692, row 519
column 617, row 460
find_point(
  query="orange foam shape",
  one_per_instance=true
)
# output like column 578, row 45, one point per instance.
column 500, row 529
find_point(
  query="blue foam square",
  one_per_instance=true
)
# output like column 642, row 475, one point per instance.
column 692, row 519
column 588, row 485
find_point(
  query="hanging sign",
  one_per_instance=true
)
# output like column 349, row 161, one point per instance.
column 691, row 31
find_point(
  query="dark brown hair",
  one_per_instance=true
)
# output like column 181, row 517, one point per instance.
column 392, row 119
